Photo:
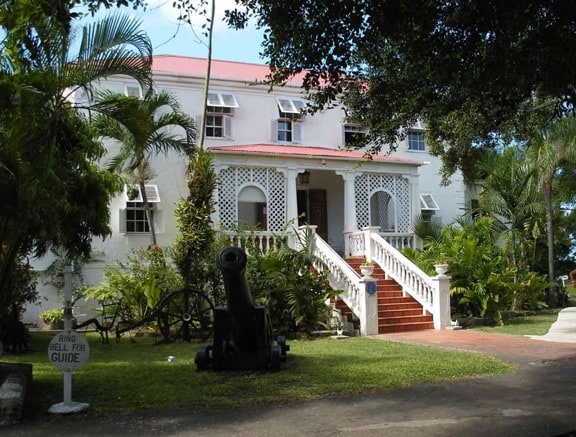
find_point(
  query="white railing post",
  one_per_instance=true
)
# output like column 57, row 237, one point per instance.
column 441, row 301
column 368, row 230
column 369, row 308
column 306, row 232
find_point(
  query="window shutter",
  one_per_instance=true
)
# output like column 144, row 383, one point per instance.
column 122, row 221
column 213, row 99
column 427, row 202
column 296, row 132
column 152, row 194
column 227, row 126
column 274, row 131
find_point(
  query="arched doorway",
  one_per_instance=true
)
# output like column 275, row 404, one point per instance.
column 383, row 211
column 252, row 211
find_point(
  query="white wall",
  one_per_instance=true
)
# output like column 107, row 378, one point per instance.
column 251, row 125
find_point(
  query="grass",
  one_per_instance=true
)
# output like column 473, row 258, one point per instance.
column 537, row 324
column 135, row 376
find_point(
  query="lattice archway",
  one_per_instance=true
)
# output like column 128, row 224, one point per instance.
column 383, row 211
column 252, row 210
column 394, row 190
column 231, row 182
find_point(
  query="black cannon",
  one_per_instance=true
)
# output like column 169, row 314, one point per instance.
column 242, row 330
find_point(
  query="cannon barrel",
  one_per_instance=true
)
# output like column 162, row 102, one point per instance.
column 232, row 263
column 242, row 331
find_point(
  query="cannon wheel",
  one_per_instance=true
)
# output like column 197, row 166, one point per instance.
column 275, row 358
column 203, row 358
column 186, row 315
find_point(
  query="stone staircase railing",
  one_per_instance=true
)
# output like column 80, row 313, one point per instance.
column 432, row 293
column 358, row 292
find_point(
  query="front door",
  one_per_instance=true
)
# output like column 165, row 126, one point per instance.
column 312, row 210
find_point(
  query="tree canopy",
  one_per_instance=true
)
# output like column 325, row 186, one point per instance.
column 469, row 69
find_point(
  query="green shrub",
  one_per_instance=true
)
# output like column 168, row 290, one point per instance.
column 53, row 317
column 140, row 282
column 483, row 281
column 286, row 281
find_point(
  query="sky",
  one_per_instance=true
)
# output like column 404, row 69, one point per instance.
column 169, row 36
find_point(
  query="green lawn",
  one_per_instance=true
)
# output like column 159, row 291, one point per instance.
column 537, row 324
column 131, row 376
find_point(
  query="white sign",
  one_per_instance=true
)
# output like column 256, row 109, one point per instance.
column 68, row 351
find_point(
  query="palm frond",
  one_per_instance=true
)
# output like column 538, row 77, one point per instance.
column 112, row 46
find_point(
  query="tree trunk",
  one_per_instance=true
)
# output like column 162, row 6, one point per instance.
column 547, row 189
column 149, row 214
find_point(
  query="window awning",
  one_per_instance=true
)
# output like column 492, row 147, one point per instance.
column 291, row 105
column 427, row 202
column 133, row 91
column 222, row 99
column 133, row 193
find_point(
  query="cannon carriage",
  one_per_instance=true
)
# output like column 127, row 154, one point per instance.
column 243, row 333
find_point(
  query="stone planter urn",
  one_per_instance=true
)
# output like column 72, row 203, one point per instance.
column 441, row 268
column 367, row 270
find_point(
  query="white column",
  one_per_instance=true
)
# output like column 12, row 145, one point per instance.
column 415, row 205
column 291, row 195
column 368, row 231
column 290, row 175
column 350, row 224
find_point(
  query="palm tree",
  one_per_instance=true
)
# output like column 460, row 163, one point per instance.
column 53, row 192
column 549, row 150
column 44, row 140
column 509, row 198
column 144, row 128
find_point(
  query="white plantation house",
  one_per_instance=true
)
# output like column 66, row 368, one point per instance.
column 279, row 170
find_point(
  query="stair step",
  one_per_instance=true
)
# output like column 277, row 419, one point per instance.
column 386, row 320
column 400, row 307
column 385, row 313
column 387, row 329
column 395, row 299
column 396, row 312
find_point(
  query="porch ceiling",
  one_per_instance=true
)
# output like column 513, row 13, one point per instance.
column 308, row 152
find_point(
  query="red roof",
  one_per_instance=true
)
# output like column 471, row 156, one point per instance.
column 308, row 152
column 220, row 69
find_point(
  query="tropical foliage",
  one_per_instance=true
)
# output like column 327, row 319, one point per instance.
column 54, row 193
column 196, row 246
column 285, row 280
column 483, row 280
column 144, row 128
column 139, row 283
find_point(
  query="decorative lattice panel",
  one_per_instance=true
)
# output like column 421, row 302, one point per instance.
column 382, row 211
column 398, row 190
column 233, row 179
